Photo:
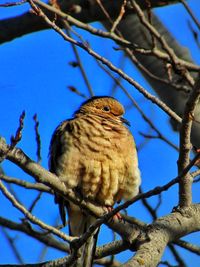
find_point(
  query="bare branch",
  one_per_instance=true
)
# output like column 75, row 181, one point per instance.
column 17, row 3
column 38, row 139
column 185, row 194
column 190, row 13
column 35, row 201
column 85, row 78
column 13, row 246
column 85, row 47
column 26, row 228
column 176, row 255
column 25, row 184
column 161, row 232
column 31, row 217
column 111, row 248
column 191, row 247
column 174, row 59
column 18, row 135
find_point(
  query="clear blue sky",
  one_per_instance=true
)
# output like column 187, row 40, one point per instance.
column 35, row 74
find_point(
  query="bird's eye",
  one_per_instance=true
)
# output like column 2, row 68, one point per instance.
column 106, row 108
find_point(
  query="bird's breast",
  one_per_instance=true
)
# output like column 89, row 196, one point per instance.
column 100, row 161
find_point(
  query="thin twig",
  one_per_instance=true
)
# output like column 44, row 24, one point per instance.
column 120, row 16
column 18, row 135
column 176, row 255
column 25, row 184
column 174, row 59
column 26, row 228
column 13, row 246
column 188, row 246
column 10, row 4
column 31, row 217
column 85, row 47
column 38, row 139
column 190, row 13
column 85, row 78
column 35, row 202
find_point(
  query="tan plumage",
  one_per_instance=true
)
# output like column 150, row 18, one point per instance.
column 95, row 154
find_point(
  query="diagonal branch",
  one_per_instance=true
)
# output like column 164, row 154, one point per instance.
column 43, row 176
column 28, row 23
column 164, row 230
column 45, row 238
column 106, row 62
column 34, row 186
column 31, row 217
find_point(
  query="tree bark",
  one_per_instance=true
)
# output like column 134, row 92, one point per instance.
column 164, row 230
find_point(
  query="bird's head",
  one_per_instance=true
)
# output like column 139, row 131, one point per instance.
column 103, row 106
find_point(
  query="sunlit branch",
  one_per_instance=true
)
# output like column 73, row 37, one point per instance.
column 43, row 237
column 144, row 116
column 25, row 184
column 175, row 60
column 31, row 217
column 85, row 47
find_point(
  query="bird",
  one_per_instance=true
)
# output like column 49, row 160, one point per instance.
column 94, row 154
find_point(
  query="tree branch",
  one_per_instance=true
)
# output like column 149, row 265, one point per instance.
column 31, row 217
column 164, row 230
column 35, row 186
column 26, row 23
column 43, row 237
column 185, row 194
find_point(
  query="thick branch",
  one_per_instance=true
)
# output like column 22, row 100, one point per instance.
column 163, row 231
column 28, row 23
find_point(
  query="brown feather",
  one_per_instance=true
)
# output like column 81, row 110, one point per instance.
column 95, row 154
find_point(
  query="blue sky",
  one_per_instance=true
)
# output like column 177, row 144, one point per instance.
column 35, row 74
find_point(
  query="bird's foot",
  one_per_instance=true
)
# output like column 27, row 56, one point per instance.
column 117, row 216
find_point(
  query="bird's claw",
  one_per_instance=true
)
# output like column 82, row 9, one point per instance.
column 117, row 216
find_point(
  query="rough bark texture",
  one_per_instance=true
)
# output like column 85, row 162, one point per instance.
column 163, row 231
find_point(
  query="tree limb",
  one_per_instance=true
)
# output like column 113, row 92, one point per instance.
column 185, row 194
column 164, row 230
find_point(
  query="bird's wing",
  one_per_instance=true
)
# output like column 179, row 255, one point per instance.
column 79, row 222
column 55, row 152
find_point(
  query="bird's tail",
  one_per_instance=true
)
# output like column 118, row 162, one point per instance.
column 79, row 223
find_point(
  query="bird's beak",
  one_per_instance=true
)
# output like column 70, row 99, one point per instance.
column 125, row 121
